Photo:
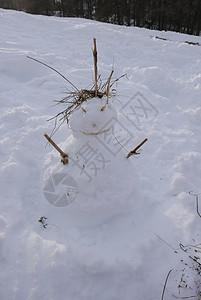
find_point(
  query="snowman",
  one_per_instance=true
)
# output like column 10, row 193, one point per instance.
column 98, row 177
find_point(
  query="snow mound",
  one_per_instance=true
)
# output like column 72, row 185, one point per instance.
column 156, row 79
column 19, row 68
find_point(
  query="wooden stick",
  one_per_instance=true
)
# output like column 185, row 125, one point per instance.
column 108, row 85
column 64, row 156
column 134, row 151
column 165, row 284
column 95, row 67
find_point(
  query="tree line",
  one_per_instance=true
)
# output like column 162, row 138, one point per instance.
column 175, row 15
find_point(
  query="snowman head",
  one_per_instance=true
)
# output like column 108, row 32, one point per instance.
column 94, row 117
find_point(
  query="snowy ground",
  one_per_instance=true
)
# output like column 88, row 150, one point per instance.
column 91, row 249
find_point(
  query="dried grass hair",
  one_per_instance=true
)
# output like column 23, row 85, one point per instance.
column 76, row 97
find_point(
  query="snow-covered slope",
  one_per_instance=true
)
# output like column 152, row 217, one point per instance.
column 91, row 250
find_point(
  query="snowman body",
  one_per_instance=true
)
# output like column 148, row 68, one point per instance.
column 104, row 178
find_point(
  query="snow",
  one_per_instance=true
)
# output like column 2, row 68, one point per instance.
column 118, row 236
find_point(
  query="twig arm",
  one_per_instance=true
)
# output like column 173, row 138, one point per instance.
column 134, row 151
column 63, row 155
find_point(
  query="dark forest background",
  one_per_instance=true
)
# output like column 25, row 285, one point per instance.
column 176, row 15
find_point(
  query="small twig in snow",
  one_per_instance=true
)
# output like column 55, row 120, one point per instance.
column 43, row 222
column 108, row 85
column 175, row 249
column 95, row 67
column 197, row 202
column 117, row 79
column 164, row 287
column 119, row 143
column 184, row 297
column 40, row 62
